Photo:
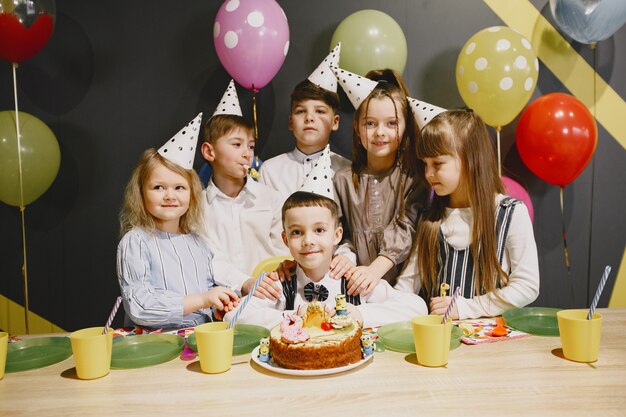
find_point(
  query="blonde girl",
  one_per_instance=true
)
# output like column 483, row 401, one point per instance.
column 163, row 265
column 378, row 198
column 471, row 235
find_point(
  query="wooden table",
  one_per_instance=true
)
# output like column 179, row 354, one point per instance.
column 518, row 377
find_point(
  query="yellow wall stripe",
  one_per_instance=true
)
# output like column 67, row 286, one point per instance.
column 12, row 320
column 575, row 74
column 566, row 64
column 618, row 297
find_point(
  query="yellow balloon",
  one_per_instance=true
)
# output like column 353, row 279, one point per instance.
column 496, row 74
column 40, row 154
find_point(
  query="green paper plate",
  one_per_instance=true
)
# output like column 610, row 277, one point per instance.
column 399, row 337
column 36, row 353
column 247, row 337
column 145, row 350
column 535, row 320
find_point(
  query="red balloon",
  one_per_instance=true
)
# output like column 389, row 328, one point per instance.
column 556, row 137
column 25, row 28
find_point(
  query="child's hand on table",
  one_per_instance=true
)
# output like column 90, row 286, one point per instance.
column 221, row 298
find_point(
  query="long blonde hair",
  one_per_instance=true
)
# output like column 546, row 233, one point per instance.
column 463, row 134
column 134, row 213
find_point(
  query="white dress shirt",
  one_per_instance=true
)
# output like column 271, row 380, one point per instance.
column 286, row 172
column 382, row 306
column 242, row 231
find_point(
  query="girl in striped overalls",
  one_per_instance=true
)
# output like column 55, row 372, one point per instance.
column 472, row 236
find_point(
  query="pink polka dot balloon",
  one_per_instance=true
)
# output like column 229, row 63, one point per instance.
column 251, row 39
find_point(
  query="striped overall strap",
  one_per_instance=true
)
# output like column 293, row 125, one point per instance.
column 504, row 213
column 352, row 299
column 290, row 287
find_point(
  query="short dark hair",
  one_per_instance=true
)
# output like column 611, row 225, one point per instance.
column 306, row 199
column 306, row 90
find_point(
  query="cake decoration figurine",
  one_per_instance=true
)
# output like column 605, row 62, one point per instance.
column 368, row 344
column 443, row 288
column 339, row 322
column 264, row 349
column 341, row 306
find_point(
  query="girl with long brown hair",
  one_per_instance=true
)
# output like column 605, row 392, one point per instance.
column 472, row 236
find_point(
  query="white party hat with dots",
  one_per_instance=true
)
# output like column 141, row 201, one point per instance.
column 357, row 88
column 229, row 104
column 320, row 179
column 323, row 76
column 423, row 112
column 181, row 148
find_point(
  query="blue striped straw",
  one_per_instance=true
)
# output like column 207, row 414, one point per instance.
column 245, row 300
column 596, row 298
column 118, row 301
column 451, row 305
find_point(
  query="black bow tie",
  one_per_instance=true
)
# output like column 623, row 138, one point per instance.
column 314, row 291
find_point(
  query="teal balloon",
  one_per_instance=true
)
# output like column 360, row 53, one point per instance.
column 40, row 154
column 589, row 21
column 370, row 40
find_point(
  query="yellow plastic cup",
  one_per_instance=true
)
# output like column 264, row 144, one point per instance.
column 215, row 346
column 92, row 352
column 4, row 345
column 432, row 340
column 580, row 338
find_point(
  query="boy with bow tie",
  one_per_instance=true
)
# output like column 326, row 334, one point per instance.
column 311, row 230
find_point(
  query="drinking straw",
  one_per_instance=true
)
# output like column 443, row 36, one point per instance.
column 245, row 300
column 596, row 297
column 457, row 291
column 112, row 315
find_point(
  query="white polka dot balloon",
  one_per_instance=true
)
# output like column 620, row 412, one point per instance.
column 496, row 74
column 251, row 39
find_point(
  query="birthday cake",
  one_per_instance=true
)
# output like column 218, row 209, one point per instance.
column 315, row 341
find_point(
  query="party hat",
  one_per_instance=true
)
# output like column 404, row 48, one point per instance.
column 320, row 179
column 357, row 88
column 323, row 76
column 229, row 104
column 181, row 148
column 423, row 112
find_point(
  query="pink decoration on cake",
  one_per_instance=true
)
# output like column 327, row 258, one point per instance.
column 295, row 335
column 290, row 320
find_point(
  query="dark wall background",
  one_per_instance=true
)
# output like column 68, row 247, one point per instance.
column 121, row 76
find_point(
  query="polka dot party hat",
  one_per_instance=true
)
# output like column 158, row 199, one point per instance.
column 423, row 111
column 357, row 88
column 323, row 76
column 229, row 104
column 320, row 179
column 181, row 148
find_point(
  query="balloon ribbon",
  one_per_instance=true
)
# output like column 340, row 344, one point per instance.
column 565, row 251
column 498, row 129
column 22, row 206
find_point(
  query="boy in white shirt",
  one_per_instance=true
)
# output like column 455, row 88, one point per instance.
column 241, row 216
column 314, row 108
column 311, row 231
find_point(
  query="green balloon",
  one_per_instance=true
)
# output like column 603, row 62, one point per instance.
column 40, row 153
column 370, row 40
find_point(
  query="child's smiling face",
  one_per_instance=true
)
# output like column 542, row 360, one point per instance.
column 381, row 129
column 166, row 196
column 311, row 234
column 311, row 122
